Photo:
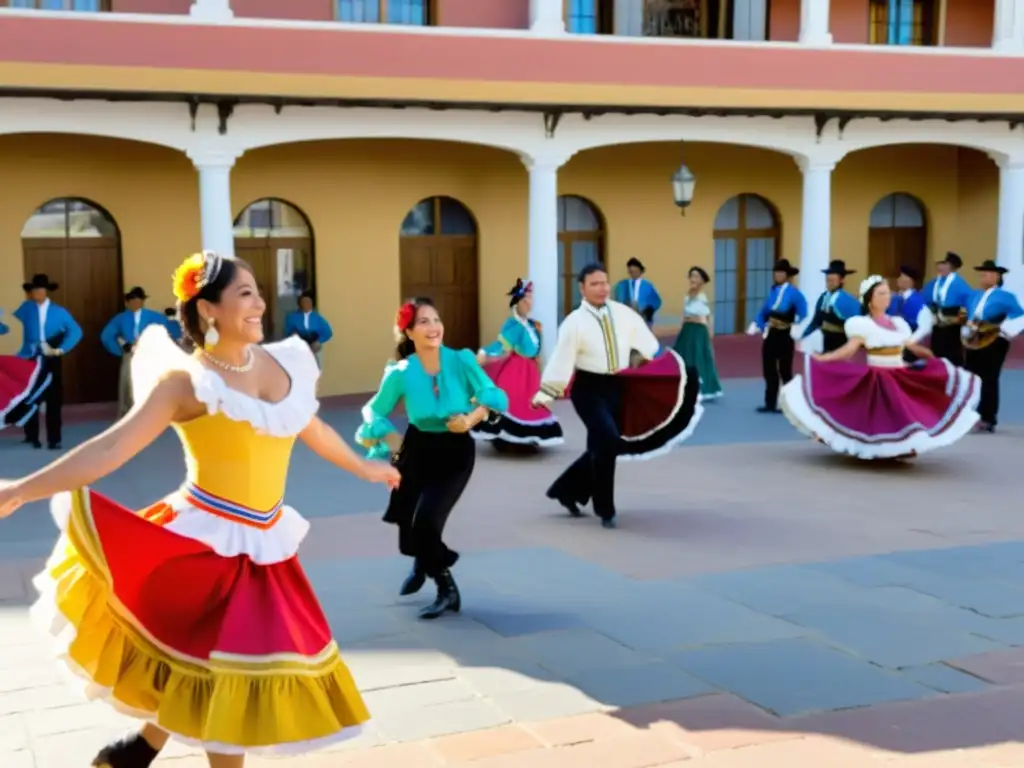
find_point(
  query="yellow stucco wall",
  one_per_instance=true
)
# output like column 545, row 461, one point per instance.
column 356, row 194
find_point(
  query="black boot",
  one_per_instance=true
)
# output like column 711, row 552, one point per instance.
column 448, row 598
column 130, row 752
column 414, row 581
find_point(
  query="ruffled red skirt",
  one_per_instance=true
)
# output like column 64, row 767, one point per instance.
column 22, row 383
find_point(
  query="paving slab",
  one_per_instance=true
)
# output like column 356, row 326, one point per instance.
column 792, row 676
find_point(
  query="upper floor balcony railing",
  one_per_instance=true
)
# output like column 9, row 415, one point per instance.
column 905, row 23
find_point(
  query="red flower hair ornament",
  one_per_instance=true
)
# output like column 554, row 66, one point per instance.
column 406, row 315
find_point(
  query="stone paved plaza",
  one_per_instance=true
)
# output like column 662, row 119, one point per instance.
column 763, row 603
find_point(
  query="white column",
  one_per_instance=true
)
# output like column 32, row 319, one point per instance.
column 814, row 23
column 815, row 225
column 543, row 245
column 547, row 17
column 211, row 10
column 215, row 199
column 1010, row 227
column 1008, row 35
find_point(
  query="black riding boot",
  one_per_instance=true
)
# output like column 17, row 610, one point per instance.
column 130, row 752
column 448, row 598
column 414, row 581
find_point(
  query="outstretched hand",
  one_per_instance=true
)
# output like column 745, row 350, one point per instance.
column 380, row 472
column 10, row 498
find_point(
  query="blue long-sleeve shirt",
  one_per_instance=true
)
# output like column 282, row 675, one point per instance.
column 832, row 306
column 122, row 329
column 784, row 302
column 996, row 306
column 909, row 306
column 517, row 335
column 317, row 329
column 61, row 329
column 948, row 293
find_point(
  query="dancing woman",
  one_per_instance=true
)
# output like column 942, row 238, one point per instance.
column 22, row 383
column 446, row 393
column 511, row 362
column 195, row 615
column 885, row 409
column 694, row 341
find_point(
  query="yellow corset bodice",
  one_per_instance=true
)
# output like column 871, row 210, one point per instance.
column 234, row 461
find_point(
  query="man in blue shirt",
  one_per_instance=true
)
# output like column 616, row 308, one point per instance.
column 638, row 292
column 947, row 296
column 993, row 317
column 50, row 332
column 833, row 308
column 120, row 335
column 309, row 325
column 909, row 303
column 783, row 308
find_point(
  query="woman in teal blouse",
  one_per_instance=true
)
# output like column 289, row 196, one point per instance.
column 446, row 393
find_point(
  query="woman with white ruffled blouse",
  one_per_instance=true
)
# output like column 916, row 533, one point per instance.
column 885, row 408
column 194, row 614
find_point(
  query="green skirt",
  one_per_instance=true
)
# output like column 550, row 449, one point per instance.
column 694, row 345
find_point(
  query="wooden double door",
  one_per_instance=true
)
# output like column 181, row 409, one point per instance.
column 889, row 248
column 88, row 273
column 267, row 257
column 444, row 267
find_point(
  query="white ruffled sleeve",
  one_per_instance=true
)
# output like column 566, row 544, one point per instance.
column 859, row 327
column 155, row 356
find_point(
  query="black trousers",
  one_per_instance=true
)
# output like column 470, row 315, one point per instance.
column 831, row 341
column 53, row 399
column 776, row 363
column 987, row 364
column 435, row 467
column 597, row 400
column 947, row 343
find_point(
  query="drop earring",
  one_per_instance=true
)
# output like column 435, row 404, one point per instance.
column 211, row 337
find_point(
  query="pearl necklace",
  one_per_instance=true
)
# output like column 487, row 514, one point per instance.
column 250, row 360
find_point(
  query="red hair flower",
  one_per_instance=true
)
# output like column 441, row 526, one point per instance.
column 406, row 316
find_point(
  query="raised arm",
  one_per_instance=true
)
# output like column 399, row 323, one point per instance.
column 171, row 399
column 560, row 368
column 108, row 338
column 326, row 443
column 643, row 339
column 72, row 333
column 845, row 352
column 377, row 434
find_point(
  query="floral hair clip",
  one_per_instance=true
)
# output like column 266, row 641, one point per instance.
column 406, row 315
column 197, row 271
column 870, row 282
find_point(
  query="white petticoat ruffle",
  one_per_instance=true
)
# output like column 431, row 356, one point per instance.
column 157, row 355
column 963, row 417
column 228, row 539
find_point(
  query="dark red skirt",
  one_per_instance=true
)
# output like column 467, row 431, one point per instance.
column 22, row 383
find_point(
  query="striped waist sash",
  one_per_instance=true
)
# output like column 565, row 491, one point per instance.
column 229, row 510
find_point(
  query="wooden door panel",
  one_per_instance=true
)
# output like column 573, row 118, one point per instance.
column 910, row 247
column 445, row 269
column 88, row 271
column 882, row 257
column 256, row 253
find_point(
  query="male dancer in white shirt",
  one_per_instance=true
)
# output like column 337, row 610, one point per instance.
column 595, row 341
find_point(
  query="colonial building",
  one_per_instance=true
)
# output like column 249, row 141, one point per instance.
column 373, row 149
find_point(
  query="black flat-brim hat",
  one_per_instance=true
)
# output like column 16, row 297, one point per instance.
column 838, row 267
column 39, row 281
column 910, row 272
column 136, row 293
column 990, row 266
column 783, row 265
column 953, row 260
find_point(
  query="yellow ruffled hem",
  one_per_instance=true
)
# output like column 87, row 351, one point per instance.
column 277, row 707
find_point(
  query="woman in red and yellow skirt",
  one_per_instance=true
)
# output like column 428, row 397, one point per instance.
column 195, row 615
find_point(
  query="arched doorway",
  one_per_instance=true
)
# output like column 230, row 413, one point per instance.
column 747, row 241
column 78, row 245
column 897, row 235
column 581, row 238
column 438, row 258
column 276, row 239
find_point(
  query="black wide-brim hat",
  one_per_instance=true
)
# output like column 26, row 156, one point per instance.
column 39, row 281
column 136, row 293
column 838, row 267
column 990, row 266
column 953, row 259
column 909, row 271
column 783, row 265
column 635, row 262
